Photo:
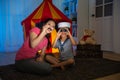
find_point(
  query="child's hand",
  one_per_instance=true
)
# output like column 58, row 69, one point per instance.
column 68, row 32
column 39, row 59
column 59, row 33
column 47, row 29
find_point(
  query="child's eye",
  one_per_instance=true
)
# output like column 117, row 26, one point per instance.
column 48, row 24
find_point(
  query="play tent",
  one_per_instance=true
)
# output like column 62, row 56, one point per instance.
column 45, row 10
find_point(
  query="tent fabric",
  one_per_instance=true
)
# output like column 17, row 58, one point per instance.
column 45, row 10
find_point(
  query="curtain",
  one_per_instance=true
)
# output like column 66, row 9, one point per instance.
column 58, row 4
column 12, row 12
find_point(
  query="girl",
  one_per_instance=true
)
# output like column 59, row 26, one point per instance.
column 26, row 60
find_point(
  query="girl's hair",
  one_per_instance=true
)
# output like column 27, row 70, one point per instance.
column 41, row 24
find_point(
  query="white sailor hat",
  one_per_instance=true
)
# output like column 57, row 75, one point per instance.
column 63, row 24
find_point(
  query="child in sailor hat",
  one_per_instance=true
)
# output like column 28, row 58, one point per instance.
column 64, row 26
column 64, row 42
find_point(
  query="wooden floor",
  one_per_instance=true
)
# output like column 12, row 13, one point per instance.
column 111, row 56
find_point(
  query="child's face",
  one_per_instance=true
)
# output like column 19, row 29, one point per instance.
column 51, row 24
column 63, row 32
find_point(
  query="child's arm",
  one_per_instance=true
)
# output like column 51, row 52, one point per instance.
column 42, row 54
column 36, row 39
column 71, row 38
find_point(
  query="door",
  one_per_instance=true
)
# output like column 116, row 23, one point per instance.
column 104, row 23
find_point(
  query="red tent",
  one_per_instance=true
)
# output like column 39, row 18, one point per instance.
column 45, row 10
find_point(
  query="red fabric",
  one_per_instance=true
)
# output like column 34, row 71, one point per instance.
column 26, row 51
column 85, row 37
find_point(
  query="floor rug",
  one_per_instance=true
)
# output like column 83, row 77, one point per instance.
column 84, row 69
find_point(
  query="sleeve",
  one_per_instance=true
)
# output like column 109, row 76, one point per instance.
column 35, row 30
column 57, row 44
